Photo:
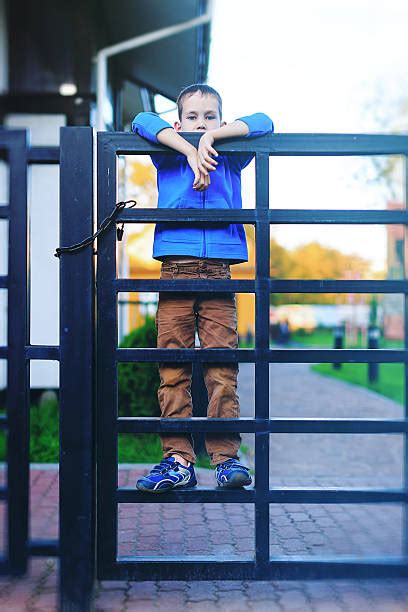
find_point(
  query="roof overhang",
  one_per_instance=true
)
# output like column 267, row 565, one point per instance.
column 51, row 43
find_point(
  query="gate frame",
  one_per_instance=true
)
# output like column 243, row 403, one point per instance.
column 77, row 374
column 110, row 145
column 16, row 492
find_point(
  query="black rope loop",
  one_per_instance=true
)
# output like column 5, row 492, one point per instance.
column 103, row 226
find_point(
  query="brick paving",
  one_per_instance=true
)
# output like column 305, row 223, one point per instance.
column 317, row 529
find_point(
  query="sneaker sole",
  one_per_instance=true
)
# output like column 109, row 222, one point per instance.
column 236, row 481
column 158, row 491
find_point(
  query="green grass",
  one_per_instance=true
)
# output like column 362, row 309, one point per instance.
column 390, row 383
column 391, row 375
column 320, row 337
column 324, row 337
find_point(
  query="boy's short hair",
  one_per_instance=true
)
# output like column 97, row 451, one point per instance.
column 205, row 90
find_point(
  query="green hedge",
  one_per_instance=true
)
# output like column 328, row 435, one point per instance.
column 139, row 382
column 137, row 396
column 44, row 434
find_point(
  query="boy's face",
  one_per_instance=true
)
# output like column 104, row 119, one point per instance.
column 200, row 114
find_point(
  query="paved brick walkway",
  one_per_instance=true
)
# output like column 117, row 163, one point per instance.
column 296, row 460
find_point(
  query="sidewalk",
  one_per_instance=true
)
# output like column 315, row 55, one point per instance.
column 296, row 529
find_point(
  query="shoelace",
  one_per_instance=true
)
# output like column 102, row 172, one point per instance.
column 161, row 468
column 233, row 464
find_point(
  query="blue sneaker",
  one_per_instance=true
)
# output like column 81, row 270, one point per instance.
column 232, row 474
column 167, row 475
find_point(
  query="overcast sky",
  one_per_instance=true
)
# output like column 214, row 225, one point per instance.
column 316, row 66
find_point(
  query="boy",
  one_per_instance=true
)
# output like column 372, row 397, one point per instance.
column 198, row 178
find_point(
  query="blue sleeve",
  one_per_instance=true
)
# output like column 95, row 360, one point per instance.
column 149, row 125
column 258, row 124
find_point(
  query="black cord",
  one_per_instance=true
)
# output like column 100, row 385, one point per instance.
column 103, row 226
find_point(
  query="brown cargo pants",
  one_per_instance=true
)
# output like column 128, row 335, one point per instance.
column 214, row 317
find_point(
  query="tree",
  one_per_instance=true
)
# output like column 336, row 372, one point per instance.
column 386, row 115
column 315, row 261
column 280, row 260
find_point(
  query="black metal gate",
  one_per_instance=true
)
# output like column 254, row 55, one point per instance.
column 109, row 495
column 16, row 154
column 76, row 544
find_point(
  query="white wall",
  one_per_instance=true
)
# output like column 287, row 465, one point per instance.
column 43, row 206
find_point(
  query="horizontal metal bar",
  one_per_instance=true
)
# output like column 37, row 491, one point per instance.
column 349, row 217
column 43, row 548
column 279, row 568
column 3, row 282
column 3, row 421
column 275, row 286
column 139, row 425
column 43, row 352
column 282, row 495
column 274, row 216
column 203, row 286
column 3, row 352
column 187, row 215
column 43, row 155
column 8, row 137
column 274, row 355
column 194, row 495
column 275, row 144
column 336, row 495
column 338, row 286
column 184, row 355
column 4, row 211
column 3, row 493
column 187, row 568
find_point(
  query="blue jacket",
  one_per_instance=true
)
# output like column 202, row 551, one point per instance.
column 175, row 184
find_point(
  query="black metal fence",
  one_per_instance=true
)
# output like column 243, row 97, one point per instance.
column 17, row 155
column 89, row 427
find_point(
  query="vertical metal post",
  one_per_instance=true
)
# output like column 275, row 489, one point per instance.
column 18, row 381
column 405, row 453
column 107, row 373
column 339, row 333
column 77, row 465
column 373, row 334
column 262, row 365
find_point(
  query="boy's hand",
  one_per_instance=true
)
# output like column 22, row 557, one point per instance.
column 206, row 163
column 201, row 180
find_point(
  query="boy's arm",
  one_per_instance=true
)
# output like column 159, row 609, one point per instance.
column 252, row 125
column 154, row 128
column 170, row 138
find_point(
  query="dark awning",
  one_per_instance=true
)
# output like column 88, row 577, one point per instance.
column 51, row 43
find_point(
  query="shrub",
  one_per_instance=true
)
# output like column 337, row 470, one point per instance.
column 44, row 434
column 138, row 385
column 139, row 382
